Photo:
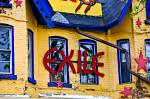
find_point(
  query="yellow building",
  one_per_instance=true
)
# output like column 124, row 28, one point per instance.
column 29, row 28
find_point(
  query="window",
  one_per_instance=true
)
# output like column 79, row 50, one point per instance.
column 7, row 53
column 90, row 47
column 5, row 4
column 124, row 75
column 61, row 44
column 31, row 57
column 147, row 47
column 147, row 12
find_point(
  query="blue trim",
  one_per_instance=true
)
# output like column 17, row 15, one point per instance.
column 31, row 80
column 45, row 10
column 59, row 37
column 9, row 77
column 88, row 41
column 118, row 54
column 5, row 4
column 54, row 84
column 125, row 10
column 13, row 52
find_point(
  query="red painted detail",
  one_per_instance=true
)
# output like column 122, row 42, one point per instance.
column 141, row 62
column 18, row 3
column 47, row 61
column 138, row 23
column 67, row 60
column 127, row 91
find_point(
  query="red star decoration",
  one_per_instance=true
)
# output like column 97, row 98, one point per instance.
column 127, row 91
column 59, row 84
column 138, row 22
column 141, row 62
column 18, row 3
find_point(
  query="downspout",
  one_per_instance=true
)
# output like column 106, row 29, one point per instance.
column 117, row 47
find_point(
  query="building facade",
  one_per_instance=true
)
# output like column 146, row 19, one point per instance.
column 29, row 28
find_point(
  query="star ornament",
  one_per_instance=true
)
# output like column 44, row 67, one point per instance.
column 59, row 84
column 127, row 91
column 141, row 62
column 138, row 23
column 18, row 3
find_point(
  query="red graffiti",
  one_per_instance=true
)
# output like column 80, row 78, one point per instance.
column 94, row 63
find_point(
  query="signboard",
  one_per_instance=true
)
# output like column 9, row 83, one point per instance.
column 67, row 59
column 82, row 7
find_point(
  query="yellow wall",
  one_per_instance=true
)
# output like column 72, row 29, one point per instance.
column 17, row 18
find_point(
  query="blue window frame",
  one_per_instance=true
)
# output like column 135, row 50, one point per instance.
column 5, row 4
column 124, row 75
column 61, row 44
column 31, row 57
column 147, row 12
column 91, row 48
column 7, row 52
column 147, row 52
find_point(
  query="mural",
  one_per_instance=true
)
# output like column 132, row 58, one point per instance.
column 89, row 3
column 88, row 7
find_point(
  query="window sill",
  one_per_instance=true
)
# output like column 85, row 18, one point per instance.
column 147, row 21
column 5, row 5
column 9, row 77
column 65, row 85
column 31, row 80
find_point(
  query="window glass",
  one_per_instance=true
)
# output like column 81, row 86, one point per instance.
column 124, row 75
column 91, row 50
column 148, row 57
column 60, row 44
column 30, row 55
column 5, row 50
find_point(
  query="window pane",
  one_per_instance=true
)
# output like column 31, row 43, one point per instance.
column 124, row 74
column 5, row 67
column 83, row 78
column 30, row 54
column 5, row 55
column 60, row 44
column 90, row 48
column 4, row 38
column 148, row 57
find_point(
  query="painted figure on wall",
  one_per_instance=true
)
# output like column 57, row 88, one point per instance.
column 89, row 4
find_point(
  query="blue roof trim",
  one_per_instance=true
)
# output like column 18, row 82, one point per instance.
column 126, row 8
column 44, row 9
column 48, row 11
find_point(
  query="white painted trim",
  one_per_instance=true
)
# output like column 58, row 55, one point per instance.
column 72, row 96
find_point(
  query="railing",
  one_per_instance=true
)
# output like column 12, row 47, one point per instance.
column 119, row 48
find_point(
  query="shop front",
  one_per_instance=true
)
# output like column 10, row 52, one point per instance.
column 73, row 49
